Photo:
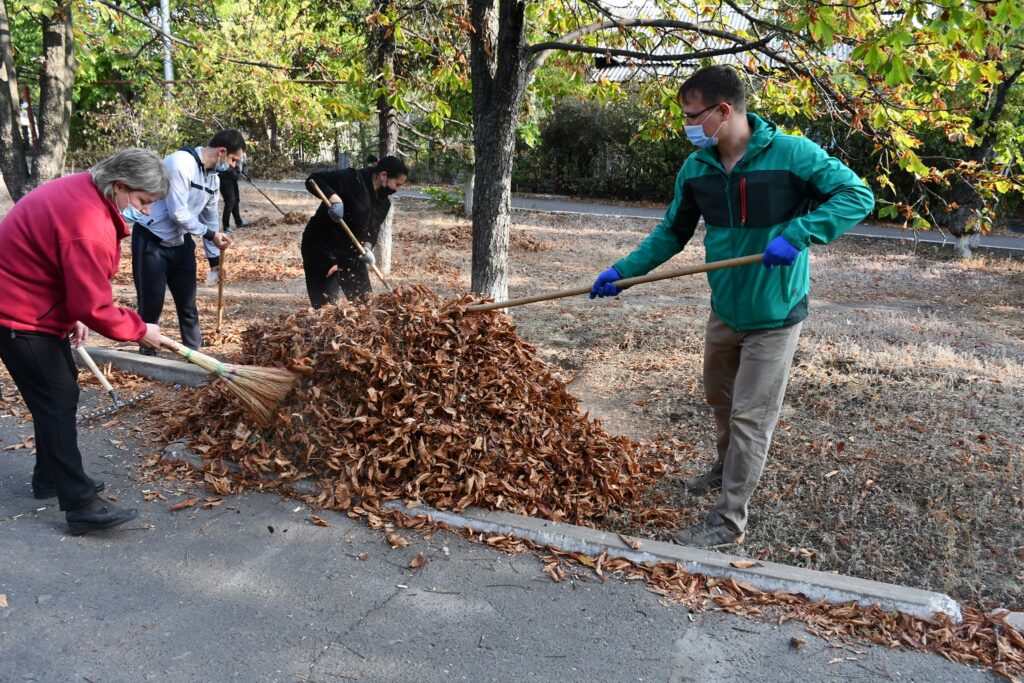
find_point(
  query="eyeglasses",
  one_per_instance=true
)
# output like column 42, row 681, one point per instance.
column 696, row 114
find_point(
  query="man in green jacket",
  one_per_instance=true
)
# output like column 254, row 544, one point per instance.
column 758, row 190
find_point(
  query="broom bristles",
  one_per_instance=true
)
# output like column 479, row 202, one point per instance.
column 260, row 390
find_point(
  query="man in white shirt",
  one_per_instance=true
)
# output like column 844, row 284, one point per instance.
column 163, row 245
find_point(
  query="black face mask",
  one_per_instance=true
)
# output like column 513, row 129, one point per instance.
column 384, row 192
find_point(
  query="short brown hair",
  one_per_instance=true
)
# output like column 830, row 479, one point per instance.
column 718, row 83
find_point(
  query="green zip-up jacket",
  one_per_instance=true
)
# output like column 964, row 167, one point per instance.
column 769, row 193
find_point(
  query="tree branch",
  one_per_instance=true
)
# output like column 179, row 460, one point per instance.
column 190, row 44
column 648, row 57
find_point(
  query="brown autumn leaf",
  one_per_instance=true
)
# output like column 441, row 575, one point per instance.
column 319, row 521
column 363, row 556
column 183, row 504
column 418, row 562
column 3, row 600
column 797, row 642
column 396, row 541
column 631, row 542
column 745, row 564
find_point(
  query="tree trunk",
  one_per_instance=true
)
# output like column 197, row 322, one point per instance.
column 387, row 130
column 499, row 58
column 13, row 145
column 56, row 83
column 467, row 196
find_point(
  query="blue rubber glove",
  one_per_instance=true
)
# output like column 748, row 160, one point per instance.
column 603, row 284
column 336, row 212
column 779, row 253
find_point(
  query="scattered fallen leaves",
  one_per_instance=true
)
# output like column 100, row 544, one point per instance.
column 745, row 564
column 319, row 521
column 418, row 561
column 363, row 556
column 3, row 600
column 396, row 541
column 796, row 642
column 181, row 505
column 631, row 542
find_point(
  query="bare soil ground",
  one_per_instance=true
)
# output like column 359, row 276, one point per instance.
column 899, row 456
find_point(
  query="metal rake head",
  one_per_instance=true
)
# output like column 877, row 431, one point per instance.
column 116, row 407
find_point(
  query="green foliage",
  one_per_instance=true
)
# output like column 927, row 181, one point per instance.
column 448, row 200
column 593, row 150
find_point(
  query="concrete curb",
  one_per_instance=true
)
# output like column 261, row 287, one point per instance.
column 815, row 585
column 833, row 588
column 154, row 367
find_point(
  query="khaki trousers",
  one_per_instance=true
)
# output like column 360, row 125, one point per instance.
column 745, row 377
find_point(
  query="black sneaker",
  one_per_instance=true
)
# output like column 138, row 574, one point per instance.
column 703, row 535
column 51, row 491
column 709, row 481
column 98, row 515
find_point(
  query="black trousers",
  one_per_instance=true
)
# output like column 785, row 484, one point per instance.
column 352, row 276
column 229, row 191
column 45, row 374
column 156, row 269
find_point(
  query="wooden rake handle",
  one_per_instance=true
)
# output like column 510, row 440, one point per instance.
column 622, row 284
column 359, row 245
column 99, row 374
column 220, row 290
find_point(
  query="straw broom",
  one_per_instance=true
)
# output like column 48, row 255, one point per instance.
column 260, row 390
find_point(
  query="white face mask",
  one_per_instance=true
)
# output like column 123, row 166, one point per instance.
column 132, row 215
column 697, row 136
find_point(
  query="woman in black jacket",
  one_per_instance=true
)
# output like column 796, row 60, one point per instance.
column 360, row 197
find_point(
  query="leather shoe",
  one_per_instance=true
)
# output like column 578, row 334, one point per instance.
column 98, row 515
column 51, row 491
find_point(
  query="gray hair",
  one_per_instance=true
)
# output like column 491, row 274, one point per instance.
column 139, row 169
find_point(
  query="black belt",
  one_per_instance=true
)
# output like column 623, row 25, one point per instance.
column 149, row 235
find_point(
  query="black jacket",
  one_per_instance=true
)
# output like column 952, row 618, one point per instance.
column 364, row 211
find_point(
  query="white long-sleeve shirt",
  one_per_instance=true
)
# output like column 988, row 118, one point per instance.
column 191, row 203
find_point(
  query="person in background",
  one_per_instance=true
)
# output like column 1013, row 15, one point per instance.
column 229, row 191
column 55, row 271
column 754, row 186
column 163, row 247
column 360, row 197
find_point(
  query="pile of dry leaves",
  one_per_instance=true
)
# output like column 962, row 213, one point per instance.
column 412, row 397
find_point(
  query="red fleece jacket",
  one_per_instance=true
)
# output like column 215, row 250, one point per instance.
column 59, row 249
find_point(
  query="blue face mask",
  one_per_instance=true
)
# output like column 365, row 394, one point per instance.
column 221, row 166
column 132, row 215
column 697, row 136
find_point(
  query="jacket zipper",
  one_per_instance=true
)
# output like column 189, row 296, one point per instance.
column 743, row 201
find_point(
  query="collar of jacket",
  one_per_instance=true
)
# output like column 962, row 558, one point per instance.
column 762, row 134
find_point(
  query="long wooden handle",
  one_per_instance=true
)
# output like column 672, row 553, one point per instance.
column 220, row 290
column 249, row 180
column 95, row 368
column 188, row 354
column 622, row 284
column 351, row 236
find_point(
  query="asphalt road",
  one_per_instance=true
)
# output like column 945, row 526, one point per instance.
column 1000, row 243
column 252, row 591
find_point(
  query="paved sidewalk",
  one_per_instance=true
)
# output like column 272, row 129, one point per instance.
column 252, row 591
column 1000, row 243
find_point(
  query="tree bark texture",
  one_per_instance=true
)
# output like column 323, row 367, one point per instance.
column 498, row 58
column 56, row 83
column 387, row 130
column 13, row 146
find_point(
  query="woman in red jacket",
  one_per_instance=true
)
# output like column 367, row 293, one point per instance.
column 59, row 249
